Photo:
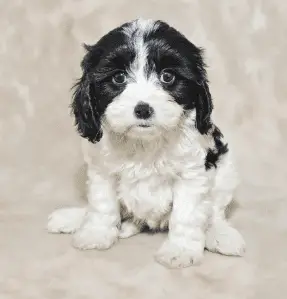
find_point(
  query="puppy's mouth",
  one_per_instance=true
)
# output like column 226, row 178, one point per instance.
column 143, row 127
column 143, row 131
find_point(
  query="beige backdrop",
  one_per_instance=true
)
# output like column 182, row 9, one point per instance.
column 41, row 165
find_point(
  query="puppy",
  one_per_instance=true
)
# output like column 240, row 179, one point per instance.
column 155, row 158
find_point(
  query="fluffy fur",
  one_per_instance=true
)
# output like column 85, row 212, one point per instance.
column 155, row 158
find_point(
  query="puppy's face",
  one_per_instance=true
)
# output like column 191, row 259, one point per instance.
column 141, row 80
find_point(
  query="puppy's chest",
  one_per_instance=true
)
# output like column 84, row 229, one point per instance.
column 146, row 189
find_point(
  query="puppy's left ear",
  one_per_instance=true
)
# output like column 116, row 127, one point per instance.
column 204, row 107
column 203, row 101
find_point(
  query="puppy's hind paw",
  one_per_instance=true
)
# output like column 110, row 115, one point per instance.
column 128, row 229
column 66, row 220
column 95, row 238
column 223, row 238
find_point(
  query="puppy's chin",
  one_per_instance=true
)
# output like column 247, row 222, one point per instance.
column 144, row 132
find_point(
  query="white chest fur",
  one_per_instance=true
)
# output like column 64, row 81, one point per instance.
column 144, row 176
column 146, row 191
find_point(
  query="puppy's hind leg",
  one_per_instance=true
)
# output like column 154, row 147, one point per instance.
column 65, row 220
column 221, row 237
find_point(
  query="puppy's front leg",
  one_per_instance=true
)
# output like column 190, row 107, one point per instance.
column 99, row 229
column 186, row 239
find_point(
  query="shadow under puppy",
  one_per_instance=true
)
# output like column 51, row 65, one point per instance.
column 155, row 158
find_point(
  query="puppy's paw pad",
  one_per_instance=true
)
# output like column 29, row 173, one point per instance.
column 94, row 238
column 226, row 240
column 65, row 221
column 173, row 256
column 128, row 229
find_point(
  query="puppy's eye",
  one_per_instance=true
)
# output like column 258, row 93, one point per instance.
column 119, row 78
column 167, row 78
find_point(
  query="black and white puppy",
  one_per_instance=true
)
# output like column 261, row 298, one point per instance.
column 155, row 158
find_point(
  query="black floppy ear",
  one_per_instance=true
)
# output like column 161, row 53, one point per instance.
column 203, row 102
column 204, row 107
column 87, row 120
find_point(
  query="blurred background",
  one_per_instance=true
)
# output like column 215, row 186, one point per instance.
column 41, row 166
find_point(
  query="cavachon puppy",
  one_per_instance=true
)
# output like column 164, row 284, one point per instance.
column 155, row 158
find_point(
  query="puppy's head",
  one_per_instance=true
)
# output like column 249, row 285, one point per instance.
column 141, row 80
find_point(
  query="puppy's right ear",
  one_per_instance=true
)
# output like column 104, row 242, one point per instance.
column 87, row 119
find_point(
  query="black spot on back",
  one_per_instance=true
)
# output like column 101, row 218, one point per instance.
column 220, row 149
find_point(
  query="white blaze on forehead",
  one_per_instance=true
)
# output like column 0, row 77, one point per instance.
column 135, row 33
column 140, row 26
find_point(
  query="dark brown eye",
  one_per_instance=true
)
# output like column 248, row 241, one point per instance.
column 167, row 78
column 119, row 78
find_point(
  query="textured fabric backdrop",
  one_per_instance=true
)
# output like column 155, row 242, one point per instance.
column 41, row 167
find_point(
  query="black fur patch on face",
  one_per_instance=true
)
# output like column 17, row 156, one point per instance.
column 220, row 149
column 95, row 90
column 169, row 50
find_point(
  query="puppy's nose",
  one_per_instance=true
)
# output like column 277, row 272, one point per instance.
column 143, row 110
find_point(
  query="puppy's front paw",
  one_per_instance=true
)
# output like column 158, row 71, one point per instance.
column 172, row 255
column 95, row 238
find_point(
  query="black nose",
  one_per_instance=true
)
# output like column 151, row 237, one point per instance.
column 143, row 110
